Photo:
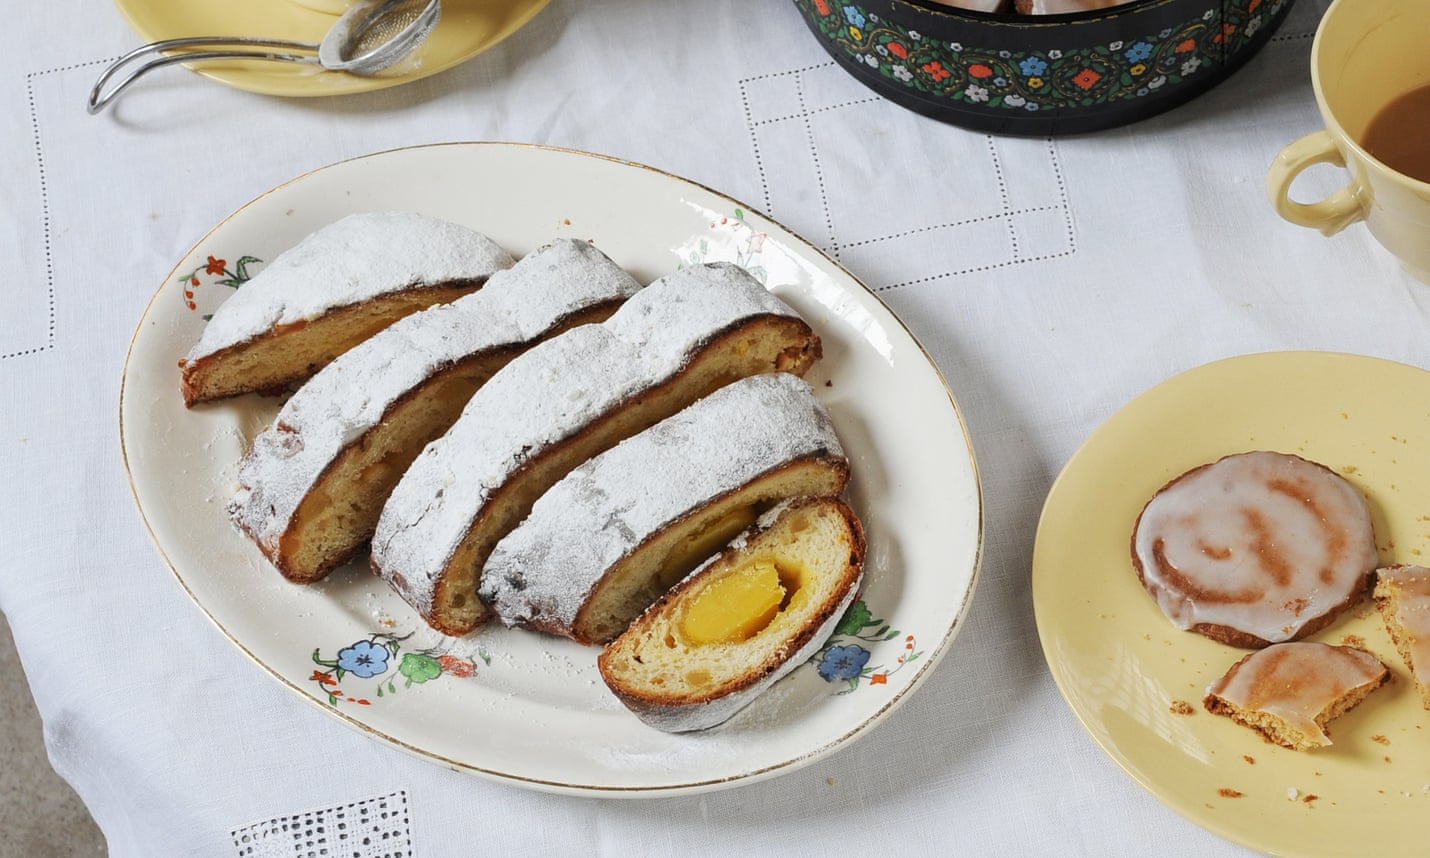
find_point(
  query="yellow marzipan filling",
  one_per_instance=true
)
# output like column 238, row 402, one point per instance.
column 735, row 607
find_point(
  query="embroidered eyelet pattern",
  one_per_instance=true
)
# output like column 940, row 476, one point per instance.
column 378, row 827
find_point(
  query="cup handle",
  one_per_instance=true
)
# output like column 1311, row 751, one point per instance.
column 1330, row 215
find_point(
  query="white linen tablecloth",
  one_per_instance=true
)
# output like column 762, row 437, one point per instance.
column 1141, row 252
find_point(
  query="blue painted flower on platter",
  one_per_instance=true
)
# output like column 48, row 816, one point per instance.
column 846, row 662
column 364, row 658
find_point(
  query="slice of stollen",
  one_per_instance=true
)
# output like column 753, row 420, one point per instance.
column 650, row 509
column 742, row 621
column 313, row 483
column 558, row 405
column 334, row 289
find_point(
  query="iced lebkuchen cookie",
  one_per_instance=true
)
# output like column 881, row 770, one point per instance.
column 313, row 482
column 1255, row 548
column 558, row 405
column 742, row 621
column 1289, row 692
column 650, row 509
column 1402, row 593
column 334, row 289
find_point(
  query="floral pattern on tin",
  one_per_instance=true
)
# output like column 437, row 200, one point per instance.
column 373, row 664
column 847, row 662
column 1070, row 78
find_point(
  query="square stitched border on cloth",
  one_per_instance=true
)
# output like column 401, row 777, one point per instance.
column 376, row 827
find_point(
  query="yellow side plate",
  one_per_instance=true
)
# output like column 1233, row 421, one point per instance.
column 1136, row 682
column 467, row 28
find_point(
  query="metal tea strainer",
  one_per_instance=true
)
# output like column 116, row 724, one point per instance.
column 369, row 37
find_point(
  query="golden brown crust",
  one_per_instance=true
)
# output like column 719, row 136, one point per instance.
column 509, row 503
column 466, row 374
column 643, row 700
column 352, row 456
column 669, row 708
column 833, row 469
column 275, row 361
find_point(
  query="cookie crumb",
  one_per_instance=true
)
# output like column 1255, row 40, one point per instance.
column 1182, row 707
column 1380, row 740
column 1250, row 760
column 1226, row 792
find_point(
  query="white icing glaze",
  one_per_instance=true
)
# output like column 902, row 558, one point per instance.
column 624, row 496
column 347, row 262
column 1260, row 542
column 350, row 396
column 1412, row 595
column 1295, row 682
column 545, row 396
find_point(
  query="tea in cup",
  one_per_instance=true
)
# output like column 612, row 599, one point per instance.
column 1370, row 69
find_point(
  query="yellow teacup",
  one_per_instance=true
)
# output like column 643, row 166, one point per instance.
column 1366, row 54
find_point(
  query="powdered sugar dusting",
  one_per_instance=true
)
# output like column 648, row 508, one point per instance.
column 347, row 262
column 624, row 496
column 352, row 395
column 547, row 395
column 672, row 754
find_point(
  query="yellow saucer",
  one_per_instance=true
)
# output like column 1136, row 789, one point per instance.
column 1136, row 681
column 467, row 28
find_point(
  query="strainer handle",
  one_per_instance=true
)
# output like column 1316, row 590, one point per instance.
column 169, row 51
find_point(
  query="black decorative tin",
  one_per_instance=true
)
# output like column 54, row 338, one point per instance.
column 1042, row 75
